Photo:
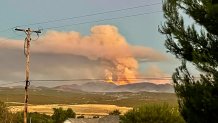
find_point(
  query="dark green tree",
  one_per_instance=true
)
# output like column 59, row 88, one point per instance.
column 61, row 115
column 195, row 43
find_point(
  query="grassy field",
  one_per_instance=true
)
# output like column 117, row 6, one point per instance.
column 49, row 96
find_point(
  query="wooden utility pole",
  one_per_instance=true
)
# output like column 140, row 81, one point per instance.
column 27, row 54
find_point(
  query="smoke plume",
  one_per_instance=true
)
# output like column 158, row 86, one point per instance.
column 104, row 43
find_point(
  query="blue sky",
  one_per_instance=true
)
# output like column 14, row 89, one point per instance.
column 138, row 30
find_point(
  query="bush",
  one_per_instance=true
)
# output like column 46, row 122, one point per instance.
column 61, row 115
column 152, row 114
column 81, row 116
column 115, row 112
column 96, row 116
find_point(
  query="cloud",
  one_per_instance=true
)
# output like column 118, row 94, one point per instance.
column 105, row 47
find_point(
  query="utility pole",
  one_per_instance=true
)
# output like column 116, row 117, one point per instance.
column 28, row 33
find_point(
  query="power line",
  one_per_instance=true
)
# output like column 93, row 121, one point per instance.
column 11, row 83
column 101, row 79
column 11, row 37
column 107, row 19
column 88, row 15
column 127, row 16
column 3, row 43
column 7, row 29
column 4, row 30
column 90, row 79
column 87, row 79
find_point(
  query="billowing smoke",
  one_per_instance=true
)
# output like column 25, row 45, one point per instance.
column 104, row 43
column 153, row 71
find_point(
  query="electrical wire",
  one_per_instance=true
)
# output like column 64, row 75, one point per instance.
column 3, row 42
column 88, row 79
column 165, row 78
column 102, row 79
column 11, row 83
column 106, row 19
column 4, row 30
column 88, row 15
column 91, row 79
column 9, row 38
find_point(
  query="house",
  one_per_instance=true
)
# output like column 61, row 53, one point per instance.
column 106, row 119
column 81, row 120
column 109, row 119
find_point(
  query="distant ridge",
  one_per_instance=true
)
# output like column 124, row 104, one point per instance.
column 110, row 87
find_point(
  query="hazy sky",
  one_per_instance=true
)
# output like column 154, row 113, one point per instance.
column 136, row 31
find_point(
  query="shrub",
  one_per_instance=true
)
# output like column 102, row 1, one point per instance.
column 115, row 112
column 61, row 115
column 152, row 114
column 81, row 116
column 96, row 116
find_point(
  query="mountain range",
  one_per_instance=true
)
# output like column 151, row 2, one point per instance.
column 111, row 87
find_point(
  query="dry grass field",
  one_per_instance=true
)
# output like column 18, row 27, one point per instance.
column 82, row 109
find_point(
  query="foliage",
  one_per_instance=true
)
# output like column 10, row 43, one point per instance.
column 152, row 114
column 5, row 115
column 58, row 116
column 196, row 43
column 61, row 115
column 39, row 118
column 95, row 116
column 81, row 116
column 115, row 112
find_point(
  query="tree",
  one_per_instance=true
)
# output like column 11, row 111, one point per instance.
column 152, row 114
column 195, row 43
column 115, row 112
column 61, row 115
